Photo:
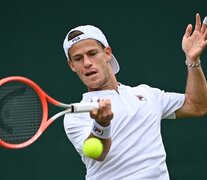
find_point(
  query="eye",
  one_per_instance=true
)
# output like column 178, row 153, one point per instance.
column 92, row 53
column 77, row 58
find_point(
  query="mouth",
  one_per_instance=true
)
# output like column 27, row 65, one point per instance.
column 91, row 73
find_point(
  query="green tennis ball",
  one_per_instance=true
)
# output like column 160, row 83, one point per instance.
column 92, row 148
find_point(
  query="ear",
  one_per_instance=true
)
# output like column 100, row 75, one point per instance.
column 108, row 52
column 70, row 63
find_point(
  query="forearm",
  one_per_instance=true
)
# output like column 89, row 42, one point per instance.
column 103, row 133
column 106, row 147
column 100, row 130
column 196, row 88
column 193, row 44
column 101, row 127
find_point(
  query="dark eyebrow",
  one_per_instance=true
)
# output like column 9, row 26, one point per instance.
column 93, row 50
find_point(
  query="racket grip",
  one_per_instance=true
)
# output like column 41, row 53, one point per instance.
column 84, row 107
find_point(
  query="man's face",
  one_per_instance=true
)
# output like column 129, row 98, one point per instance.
column 91, row 62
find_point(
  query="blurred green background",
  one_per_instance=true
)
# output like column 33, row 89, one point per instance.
column 146, row 39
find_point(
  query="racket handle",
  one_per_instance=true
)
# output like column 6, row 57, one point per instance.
column 84, row 107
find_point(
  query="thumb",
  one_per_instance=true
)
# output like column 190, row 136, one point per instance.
column 188, row 31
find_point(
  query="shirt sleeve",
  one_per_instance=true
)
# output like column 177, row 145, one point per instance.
column 77, row 128
column 168, row 102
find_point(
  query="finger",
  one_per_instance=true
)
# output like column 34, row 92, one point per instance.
column 93, row 113
column 99, row 112
column 104, row 108
column 104, row 102
column 107, row 111
column 107, row 103
column 205, row 20
column 204, row 26
column 198, row 23
column 188, row 31
column 101, row 104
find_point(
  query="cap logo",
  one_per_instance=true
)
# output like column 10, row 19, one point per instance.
column 75, row 39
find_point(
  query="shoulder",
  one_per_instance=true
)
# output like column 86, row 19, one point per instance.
column 153, row 92
column 145, row 89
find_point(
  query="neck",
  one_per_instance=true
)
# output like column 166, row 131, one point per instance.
column 111, row 84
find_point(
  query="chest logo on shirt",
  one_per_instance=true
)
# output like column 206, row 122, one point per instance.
column 141, row 98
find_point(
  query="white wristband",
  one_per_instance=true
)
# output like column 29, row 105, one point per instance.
column 100, row 131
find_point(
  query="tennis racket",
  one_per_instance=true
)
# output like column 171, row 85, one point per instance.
column 24, row 111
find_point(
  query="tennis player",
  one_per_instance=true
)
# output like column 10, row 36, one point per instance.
column 129, row 118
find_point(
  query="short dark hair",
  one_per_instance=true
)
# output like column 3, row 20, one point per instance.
column 76, row 33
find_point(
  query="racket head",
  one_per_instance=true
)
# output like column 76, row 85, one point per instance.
column 23, row 112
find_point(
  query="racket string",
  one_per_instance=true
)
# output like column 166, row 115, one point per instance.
column 20, row 112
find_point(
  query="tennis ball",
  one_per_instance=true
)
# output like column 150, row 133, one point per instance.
column 92, row 147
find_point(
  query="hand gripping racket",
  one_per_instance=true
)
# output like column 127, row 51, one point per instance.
column 24, row 111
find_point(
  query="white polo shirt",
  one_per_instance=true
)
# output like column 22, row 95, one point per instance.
column 137, row 151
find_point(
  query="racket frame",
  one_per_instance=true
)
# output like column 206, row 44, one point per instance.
column 44, row 98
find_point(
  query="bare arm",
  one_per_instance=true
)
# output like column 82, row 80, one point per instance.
column 193, row 44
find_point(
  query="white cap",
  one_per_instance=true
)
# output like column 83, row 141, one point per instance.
column 89, row 32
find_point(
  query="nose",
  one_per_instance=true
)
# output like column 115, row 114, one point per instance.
column 87, row 62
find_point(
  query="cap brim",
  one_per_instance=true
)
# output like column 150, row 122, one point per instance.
column 114, row 64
